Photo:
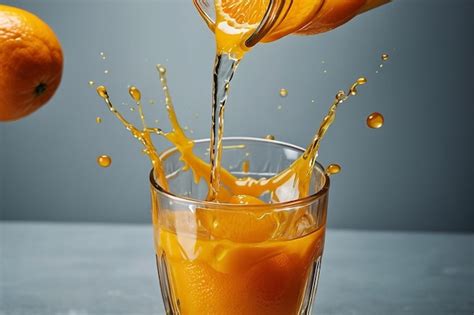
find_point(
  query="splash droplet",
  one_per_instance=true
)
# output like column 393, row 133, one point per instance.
column 333, row 169
column 98, row 120
column 161, row 69
column 104, row 160
column 102, row 91
column 270, row 137
column 91, row 83
column 283, row 92
column 135, row 93
column 375, row 120
column 385, row 57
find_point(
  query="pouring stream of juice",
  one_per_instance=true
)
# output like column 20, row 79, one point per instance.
column 239, row 26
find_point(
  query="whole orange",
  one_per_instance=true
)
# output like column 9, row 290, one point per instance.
column 31, row 63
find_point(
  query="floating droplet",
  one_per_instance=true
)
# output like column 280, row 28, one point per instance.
column 104, row 160
column 385, row 57
column 98, row 120
column 333, row 169
column 270, row 137
column 157, row 121
column 102, row 91
column 325, row 71
column 135, row 93
column 102, row 55
column 106, row 71
column 161, row 69
column 312, row 101
column 283, row 92
column 323, row 62
column 375, row 120
column 151, row 102
column 132, row 109
column 279, row 107
column 186, row 128
column 91, row 83
column 196, row 115
column 381, row 65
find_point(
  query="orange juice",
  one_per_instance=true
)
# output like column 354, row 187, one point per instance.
column 212, row 275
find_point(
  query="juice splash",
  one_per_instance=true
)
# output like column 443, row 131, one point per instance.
column 298, row 174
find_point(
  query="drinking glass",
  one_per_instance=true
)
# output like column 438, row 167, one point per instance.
column 235, row 259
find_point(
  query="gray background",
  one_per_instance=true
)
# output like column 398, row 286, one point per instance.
column 413, row 174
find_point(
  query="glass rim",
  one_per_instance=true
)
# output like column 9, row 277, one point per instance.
column 231, row 206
